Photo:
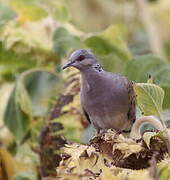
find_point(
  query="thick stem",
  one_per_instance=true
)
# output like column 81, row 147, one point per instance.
column 135, row 131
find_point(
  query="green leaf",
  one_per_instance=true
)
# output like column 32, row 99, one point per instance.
column 114, row 36
column 162, row 78
column 98, row 44
column 112, row 62
column 15, row 119
column 101, row 46
column 111, row 57
column 108, row 41
column 64, row 41
column 41, row 85
column 23, row 98
column 12, row 63
column 110, row 48
column 166, row 103
column 30, row 98
column 142, row 66
column 149, row 98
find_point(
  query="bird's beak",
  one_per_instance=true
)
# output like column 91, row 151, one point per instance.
column 67, row 65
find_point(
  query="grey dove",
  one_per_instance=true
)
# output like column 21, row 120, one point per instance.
column 107, row 99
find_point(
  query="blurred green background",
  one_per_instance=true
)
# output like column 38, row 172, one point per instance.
column 36, row 36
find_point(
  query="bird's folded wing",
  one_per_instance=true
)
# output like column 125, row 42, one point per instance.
column 86, row 114
column 132, row 102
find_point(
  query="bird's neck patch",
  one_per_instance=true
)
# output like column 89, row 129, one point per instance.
column 97, row 67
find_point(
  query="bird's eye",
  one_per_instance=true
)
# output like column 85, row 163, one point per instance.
column 80, row 58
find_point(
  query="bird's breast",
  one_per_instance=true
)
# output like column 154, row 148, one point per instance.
column 101, row 91
column 102, row 98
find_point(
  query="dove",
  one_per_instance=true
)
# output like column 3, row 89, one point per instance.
column 107, row 99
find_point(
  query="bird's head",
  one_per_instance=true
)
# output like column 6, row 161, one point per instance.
column 81, row 59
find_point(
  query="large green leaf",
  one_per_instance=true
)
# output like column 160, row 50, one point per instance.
column 142, row 66
column 112, row 58
column 110, row 48
column 108, row 41
column 12, row 63
column 162, row 77
column 98, row 44
column 41, row 85
column 15, row 119
column 65, row 41
column 30, row 98
column 149, row 98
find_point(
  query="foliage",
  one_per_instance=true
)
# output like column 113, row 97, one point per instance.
column 35, row 37
column 150, row 98
column 11, row 64
column 28, row 100
column 28, row 40
column 64, row 41
column 148, row 65
column 110, row 48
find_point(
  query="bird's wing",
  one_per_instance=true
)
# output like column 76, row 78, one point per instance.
column 132, row 101
column 131, row 98
column 86, row 114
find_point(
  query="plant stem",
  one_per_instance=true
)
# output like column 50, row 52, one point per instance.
column 155, row 122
